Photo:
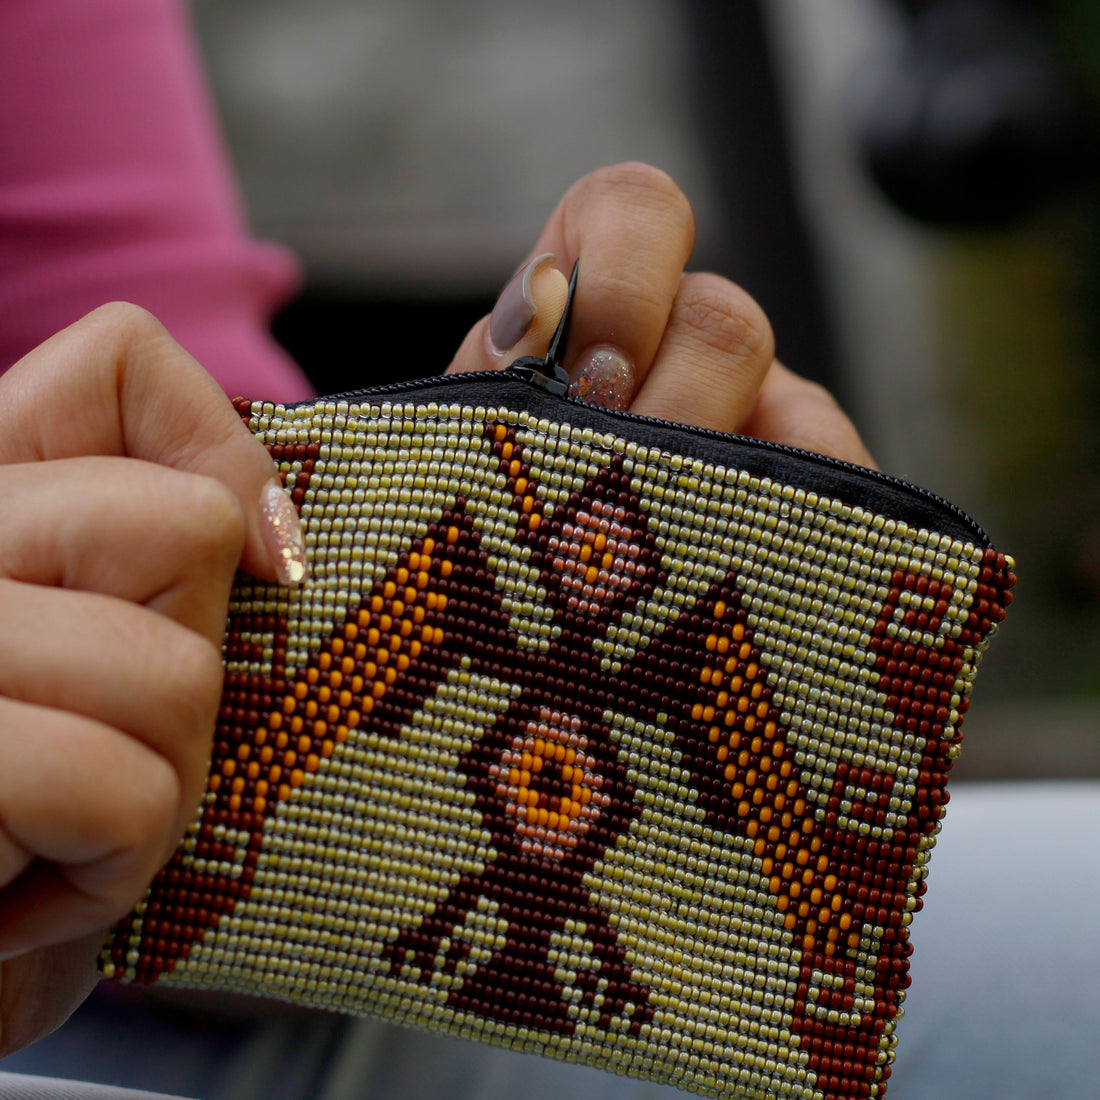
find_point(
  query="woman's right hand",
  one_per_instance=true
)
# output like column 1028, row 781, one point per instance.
column 130, row 493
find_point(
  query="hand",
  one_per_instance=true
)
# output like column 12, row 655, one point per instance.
column 130, row 492
column 646, row 335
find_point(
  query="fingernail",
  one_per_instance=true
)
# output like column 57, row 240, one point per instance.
column 603, row 375
column 282, row 534
column 515, row 308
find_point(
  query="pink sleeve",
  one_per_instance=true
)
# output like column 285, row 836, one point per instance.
column 114, row 185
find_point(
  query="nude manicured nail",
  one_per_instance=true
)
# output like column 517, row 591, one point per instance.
column 515, row 308
column 282, row 534
column 603, row 375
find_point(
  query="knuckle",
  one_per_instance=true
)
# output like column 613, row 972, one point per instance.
column 727, row 318
column 823, row 425
column 632, row 297
column 638, row 178
column 643, row 186
column 196, row 663
column 184, row 682
column 141, row 823
column 125, row 319
column 815, row 394
column 194, row 682
column 124, row 330
column 193, row 694
column 218, row 524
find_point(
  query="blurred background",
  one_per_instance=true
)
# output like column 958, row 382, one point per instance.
column 908, row 188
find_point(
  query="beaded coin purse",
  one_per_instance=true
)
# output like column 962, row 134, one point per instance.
column 589, row 735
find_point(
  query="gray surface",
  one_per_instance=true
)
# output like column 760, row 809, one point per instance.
column 1006, row 997
column 20, row 1087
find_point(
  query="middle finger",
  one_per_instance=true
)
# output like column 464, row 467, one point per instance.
column 717, row 349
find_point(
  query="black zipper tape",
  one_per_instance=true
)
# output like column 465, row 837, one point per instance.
column 847, row 482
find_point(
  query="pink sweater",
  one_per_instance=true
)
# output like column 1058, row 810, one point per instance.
column 114, row 185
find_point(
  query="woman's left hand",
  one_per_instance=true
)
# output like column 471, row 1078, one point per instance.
column 647, row 335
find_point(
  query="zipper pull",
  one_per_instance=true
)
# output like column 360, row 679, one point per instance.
column 548, row 373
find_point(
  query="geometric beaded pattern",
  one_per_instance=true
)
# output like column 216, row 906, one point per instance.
column 578, row 747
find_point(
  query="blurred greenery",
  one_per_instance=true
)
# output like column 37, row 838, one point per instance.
column 1021, row 375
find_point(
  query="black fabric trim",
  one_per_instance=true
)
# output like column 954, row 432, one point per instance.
column 853, row 485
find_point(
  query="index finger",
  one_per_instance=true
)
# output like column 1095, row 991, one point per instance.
column 633, row 230
column 116, row 383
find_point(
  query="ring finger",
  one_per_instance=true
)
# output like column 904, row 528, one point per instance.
column 118, row 664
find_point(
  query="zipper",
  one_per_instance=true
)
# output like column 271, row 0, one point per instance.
column 548, row 374
column 828, row 461
column 523, row 371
